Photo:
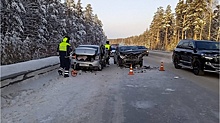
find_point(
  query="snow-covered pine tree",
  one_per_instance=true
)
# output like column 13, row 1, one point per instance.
column 11, row 31
column 33, row 29
column 169, row 26
column 88, row 15
column 215, row 26
column 180, row 12
column 156, row 29
column 79, row 11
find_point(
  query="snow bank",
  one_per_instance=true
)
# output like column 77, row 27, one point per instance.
column 29, row 65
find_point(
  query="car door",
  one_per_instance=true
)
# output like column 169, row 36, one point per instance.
column 189, row 54
column 183, row 52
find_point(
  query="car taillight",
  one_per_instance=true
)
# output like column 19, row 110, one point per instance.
column 74, row 56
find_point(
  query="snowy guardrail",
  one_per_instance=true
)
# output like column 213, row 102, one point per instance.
column 21, row 71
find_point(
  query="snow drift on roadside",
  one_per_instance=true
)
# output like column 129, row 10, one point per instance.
column 28, row 65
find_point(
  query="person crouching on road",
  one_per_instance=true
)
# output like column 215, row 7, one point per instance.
column 64, row 49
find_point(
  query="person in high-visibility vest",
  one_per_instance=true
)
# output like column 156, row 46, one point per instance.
column 64, row 49
column 108, row 47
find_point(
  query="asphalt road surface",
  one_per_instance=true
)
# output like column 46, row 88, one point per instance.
column 113, row 96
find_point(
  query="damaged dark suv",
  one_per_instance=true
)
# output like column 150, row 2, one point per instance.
column 127, row 55
column 198, row 55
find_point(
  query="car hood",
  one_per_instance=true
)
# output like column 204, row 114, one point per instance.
column 132, row 52
column 85, row 51
column 210, row 52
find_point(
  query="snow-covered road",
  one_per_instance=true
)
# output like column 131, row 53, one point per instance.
column 109, row 96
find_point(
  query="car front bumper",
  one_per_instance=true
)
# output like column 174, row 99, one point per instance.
column 131, row 61
column 212, row 67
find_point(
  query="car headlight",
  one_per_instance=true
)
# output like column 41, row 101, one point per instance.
column 122, row 57
column 207, row 56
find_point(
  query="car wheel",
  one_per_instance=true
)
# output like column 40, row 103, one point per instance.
column 176, row 63
column 114, row 61
column 119, row 63
column 100, row 67
column 104, row 64
column 141, row 63
column 197, row 69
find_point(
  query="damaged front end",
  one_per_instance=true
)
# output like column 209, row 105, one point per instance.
column 134, row 58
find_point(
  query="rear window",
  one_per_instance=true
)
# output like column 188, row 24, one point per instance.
column 90, row 47
column 86, row 51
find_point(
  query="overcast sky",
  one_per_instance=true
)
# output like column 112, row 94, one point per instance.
column 125, row 18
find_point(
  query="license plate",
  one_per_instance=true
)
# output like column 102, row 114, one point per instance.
column 84, row 65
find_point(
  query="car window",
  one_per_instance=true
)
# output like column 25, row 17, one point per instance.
column 202, row 45
column 185, row 45
column 191, row 44
column 113, row 48
column 91, row 47
column 180, row 44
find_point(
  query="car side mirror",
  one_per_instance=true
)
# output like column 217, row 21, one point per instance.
column 191, row 47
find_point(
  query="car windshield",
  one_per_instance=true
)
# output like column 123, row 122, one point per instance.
column 128, row 48
column 113, row 48
column 202, row 45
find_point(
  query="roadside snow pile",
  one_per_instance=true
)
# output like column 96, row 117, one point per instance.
column 27, row 66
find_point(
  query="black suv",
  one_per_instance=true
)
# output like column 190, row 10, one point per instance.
column 198, row 55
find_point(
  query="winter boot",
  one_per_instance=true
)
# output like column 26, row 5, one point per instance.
column 66, row 74
column 60, row 71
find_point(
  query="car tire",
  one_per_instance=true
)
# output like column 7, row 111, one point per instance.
column 141, row 63
column 114, row 61
column 119, row 63
column 197, row 69
column 176, row 63
column 104, row 64
column 100, row 67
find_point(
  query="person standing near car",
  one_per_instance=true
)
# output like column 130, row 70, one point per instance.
column 64, row 49
column 108, row 47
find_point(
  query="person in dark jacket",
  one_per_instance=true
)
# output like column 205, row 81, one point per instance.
column 64, row 49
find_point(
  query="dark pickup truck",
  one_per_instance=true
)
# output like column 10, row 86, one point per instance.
column 198, row 55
